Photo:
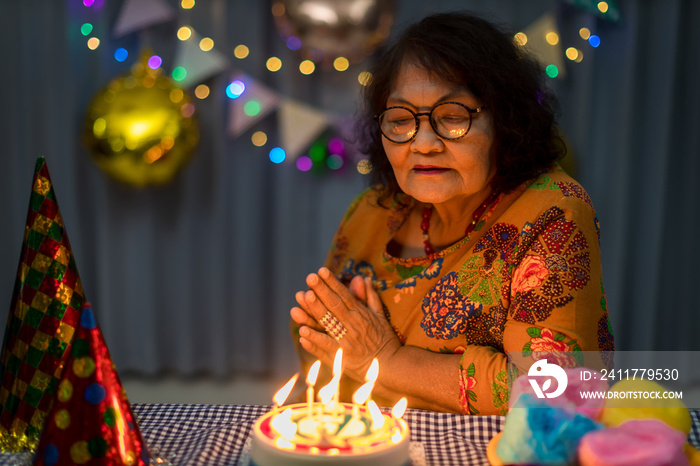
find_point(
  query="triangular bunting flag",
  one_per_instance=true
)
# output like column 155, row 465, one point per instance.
column 198, row 64
column 254, row 102
column 44, row 312
column 299, row 125
column 545, row 52
column 91, row 420
column 137, row 14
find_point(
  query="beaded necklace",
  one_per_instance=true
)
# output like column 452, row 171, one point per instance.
column 476, row 215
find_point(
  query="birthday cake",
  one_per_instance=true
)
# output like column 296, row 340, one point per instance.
column 344, row 434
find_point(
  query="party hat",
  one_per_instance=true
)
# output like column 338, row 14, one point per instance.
column 91, row 419
column 44, row 311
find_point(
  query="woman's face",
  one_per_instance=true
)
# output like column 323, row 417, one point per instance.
column 435, row 170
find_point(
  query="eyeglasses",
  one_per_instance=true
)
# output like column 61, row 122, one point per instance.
column 449, row 120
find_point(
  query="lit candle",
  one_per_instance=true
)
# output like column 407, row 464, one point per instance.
column 283, row 425
column 282, row 394
column 371, row 376
column 376, row 415
column 310, row 383
column 399, row 408
column 337, row 371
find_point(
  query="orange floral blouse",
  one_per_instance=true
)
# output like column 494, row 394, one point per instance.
column 527, row 279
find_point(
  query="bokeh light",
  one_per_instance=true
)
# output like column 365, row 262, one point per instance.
column 364, row 166
column 86, row 29
column 176, row 95
column 274, row 64
column 278, row 9
column 585, row 33
column 572, row 53
column 187, row 4
column 184, row 33
column 235, row 89
column 293, row 43
column 187, row 110
column 341, row 64
column 93, row 43
column 594, row 41
column 552, row 38
column 252, row 108
column 99, row 127
column 120, row 54
column 336, row 146
column 364, row 77
column 179, row 73
column 552, row 71
column 201, row 91
column 307, row 67
column 334, row 161
column 521, row 38
column 259, row 138
column 603, row 7
column 317, row 152
column 154, row 62
column 206, row 44
column 88, row 2
column 241, row 51
column 579, row 58
column 304, row 163
column 277, row 155
column 148, row 81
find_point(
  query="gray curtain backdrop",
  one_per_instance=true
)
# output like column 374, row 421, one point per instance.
column 198, row 276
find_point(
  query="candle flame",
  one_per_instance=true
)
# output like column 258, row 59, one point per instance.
column 284, row 444
column 283, row 425
column 373, row 371
column 376, row 414
column 363, row 393
column 326, row 393
column 338, row 361
column 399, row 408
column 312, row 376
column 396, row 436
column 282, row 394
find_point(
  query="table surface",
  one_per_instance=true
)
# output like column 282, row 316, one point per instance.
column 218, row 434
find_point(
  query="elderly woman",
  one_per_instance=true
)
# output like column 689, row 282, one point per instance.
column 471, row 242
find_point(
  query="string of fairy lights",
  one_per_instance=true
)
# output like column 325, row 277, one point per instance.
column 332, row 155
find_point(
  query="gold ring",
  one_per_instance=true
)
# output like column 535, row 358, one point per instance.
column 333, row 326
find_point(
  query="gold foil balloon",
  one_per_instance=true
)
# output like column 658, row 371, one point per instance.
column 141, row 128
column 324, row 30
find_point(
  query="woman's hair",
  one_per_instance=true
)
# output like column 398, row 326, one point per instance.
column 469, row 51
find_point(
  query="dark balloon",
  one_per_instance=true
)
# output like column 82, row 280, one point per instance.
column 329, row 29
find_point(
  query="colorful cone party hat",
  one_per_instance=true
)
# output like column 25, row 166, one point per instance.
column 44, row 311
column 91, row 421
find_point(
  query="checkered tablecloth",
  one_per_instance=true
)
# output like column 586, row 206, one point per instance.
column 218, row 434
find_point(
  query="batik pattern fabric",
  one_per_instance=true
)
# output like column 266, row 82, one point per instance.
column 528, row 279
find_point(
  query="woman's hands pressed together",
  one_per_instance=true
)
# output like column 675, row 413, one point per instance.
column 358, row 309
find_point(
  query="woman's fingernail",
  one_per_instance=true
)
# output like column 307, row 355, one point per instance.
column 324, row 272
column 304, row 331
column 310, row 296
column 312, row 279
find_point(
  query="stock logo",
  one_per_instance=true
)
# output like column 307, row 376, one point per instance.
column 544, row 369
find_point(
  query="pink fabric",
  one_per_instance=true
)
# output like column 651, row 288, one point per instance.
column 646, row 442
